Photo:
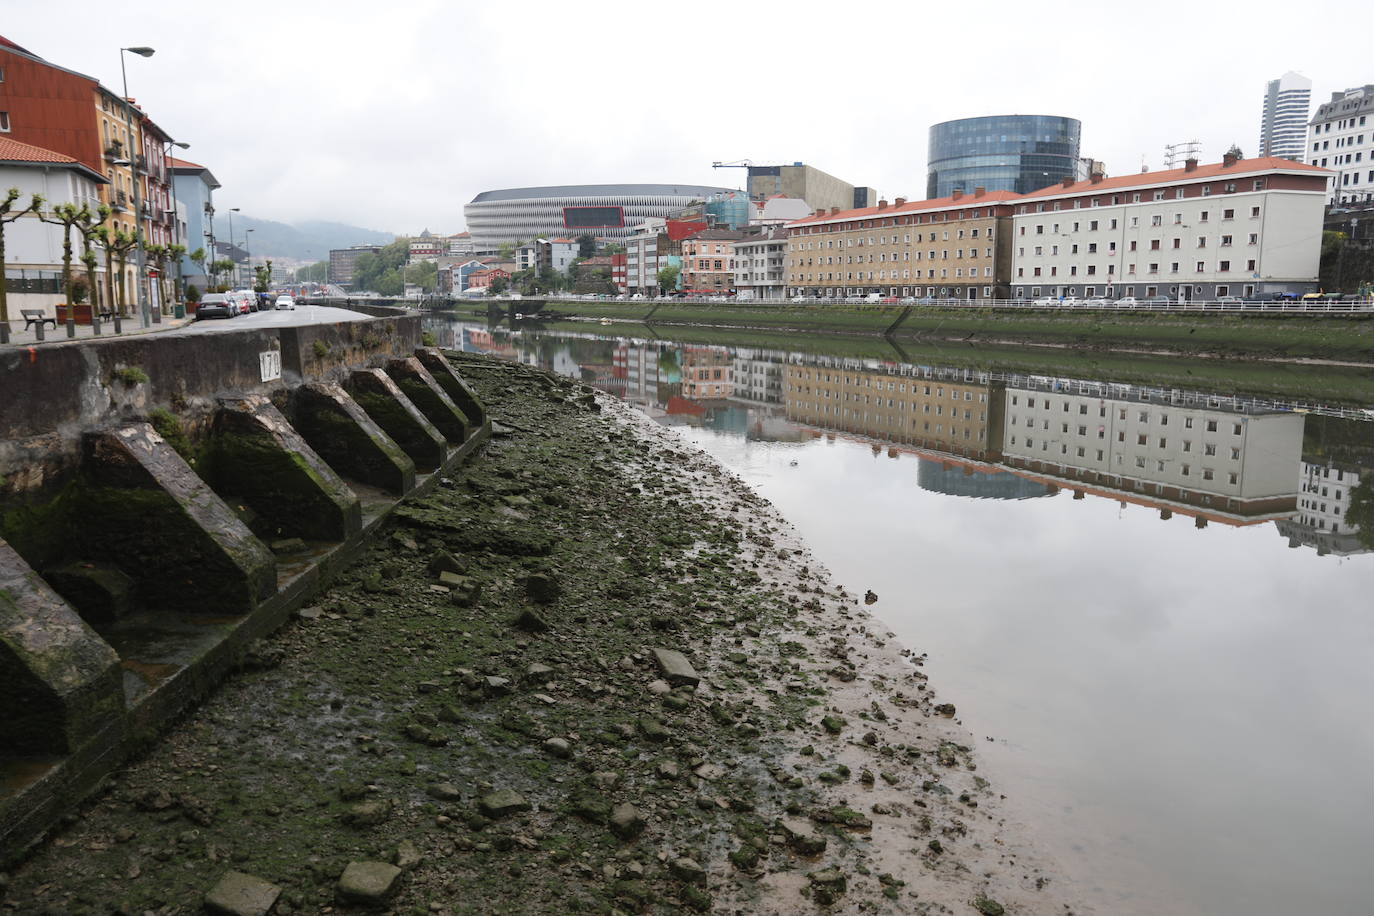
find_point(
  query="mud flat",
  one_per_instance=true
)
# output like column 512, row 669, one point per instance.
column 595, row 674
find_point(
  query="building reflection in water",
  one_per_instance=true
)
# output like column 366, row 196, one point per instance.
column 987, row 435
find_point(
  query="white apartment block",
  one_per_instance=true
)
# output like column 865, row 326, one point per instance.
column 758, row 263
column 1247, row 227
column 1238, row 464
column 1324, row 497
column 641, row 256
column 1341, row 138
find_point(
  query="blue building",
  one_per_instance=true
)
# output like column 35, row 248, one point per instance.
column 1019, row 153
column 193, row 185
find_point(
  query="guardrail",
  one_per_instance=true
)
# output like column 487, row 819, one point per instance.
column 1312, row 306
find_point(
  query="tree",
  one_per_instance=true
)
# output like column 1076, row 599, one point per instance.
column 1235, row 151
column 120, row 243
column 668, row 277
column 89, row 226
column 613, row 248
column 8, row 215
column 262, row 277
column 67, row 216
column 424, row 274
column 222, row 266
column 586, row 246
column 498, row 286
column 1361, row 511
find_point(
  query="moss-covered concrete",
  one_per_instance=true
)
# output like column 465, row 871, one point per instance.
column 424, row 392
column 255, row 455
column 350, row 441
column 60, row 681
column 399, row 417
column 458, row 390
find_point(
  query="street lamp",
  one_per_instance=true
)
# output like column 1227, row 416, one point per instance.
column 248, row 256
column 144, row 318
column 234, row 272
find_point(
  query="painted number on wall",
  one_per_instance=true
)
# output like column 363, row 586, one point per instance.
column 271, row 364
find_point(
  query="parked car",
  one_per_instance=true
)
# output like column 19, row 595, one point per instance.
column 1128, row 302
column 286, row 302
column 1046, row 300
column 1097, row 302
column 1230, row 300
column 216, row 305
column 1157, row 300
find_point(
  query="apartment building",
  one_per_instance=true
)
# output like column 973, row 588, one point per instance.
column 759, row 273
column 951, row 247
column 1341, row 137
column 1240, row 227
column 708, row 261
column 957, row 417
column 1283, row 125
column 1236, row 466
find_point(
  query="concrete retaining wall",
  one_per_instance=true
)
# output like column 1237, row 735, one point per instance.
column 141, row 477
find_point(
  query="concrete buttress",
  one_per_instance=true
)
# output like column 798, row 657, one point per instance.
column 399, row 416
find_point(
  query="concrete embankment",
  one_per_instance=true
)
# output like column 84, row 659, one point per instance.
column 596, row 673
column 1262, row 334
column 166, row 500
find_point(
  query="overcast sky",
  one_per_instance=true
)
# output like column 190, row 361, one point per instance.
column 393, row 116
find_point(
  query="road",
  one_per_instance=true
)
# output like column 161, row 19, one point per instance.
column 302, row 314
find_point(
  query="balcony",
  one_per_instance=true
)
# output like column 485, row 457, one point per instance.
column 141, row 163
column 114, row 151
column 119, row 201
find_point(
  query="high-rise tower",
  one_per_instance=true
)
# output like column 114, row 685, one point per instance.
column 1283, row 129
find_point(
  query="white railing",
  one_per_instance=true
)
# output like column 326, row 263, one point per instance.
column 1309, row 306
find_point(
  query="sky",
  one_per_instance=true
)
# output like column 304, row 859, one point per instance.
column 392, row 118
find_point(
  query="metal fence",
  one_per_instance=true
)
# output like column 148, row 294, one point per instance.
column 1314, row 306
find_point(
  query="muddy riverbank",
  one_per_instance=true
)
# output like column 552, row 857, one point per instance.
column 592, row 673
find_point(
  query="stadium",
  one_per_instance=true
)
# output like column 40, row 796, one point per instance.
column 602, row 210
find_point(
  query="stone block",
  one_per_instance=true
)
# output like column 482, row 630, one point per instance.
column 238, row 894
column 414, row 379
column 368, row 884
column 402, row 419
column 676, row 670
column 343, row 434
column 60, row 681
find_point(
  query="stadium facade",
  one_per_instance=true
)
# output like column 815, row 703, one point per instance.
column 566, row 211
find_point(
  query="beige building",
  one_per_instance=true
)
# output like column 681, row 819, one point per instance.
column 960, row 418
column 708, row 261
column 954, row 247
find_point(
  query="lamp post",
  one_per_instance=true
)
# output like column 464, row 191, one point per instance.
column 234, row 271
column 143, row 311
column 248, row 256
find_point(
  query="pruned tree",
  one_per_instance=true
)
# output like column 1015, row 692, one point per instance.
column 67, row 216
column 9, row 214
column 89, row 226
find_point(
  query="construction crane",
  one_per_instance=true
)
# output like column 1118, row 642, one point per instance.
column 737, row 164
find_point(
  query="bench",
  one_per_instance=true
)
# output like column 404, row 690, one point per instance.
column 106, row 314
column 35, row 316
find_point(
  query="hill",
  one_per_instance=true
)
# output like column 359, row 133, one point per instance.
column 305, row 241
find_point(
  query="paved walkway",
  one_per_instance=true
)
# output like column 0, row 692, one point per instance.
column 28, row 338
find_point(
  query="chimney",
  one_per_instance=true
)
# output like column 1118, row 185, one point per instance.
column 899, row 201
column 1068, row 181
column 1096, row 177
column 1229, row 160
column 1190, row 164
column 979, row 192
column 956, row 194
column 882, row 205
column 834, row 210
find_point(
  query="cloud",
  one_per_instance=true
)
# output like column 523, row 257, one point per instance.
column 394, row 117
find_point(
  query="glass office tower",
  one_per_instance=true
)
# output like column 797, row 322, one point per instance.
column 1020, row 153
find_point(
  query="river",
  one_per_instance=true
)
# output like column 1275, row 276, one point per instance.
column 1147, row 599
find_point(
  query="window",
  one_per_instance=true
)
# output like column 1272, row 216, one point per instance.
column 1228, row 214
column 4, row 122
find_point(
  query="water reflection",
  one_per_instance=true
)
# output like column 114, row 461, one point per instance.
column 1101, row 575
column 1229, row 460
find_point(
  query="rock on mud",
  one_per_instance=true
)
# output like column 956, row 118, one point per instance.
column 238, row 894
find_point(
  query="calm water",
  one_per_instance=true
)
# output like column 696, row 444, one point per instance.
column 1150, row 601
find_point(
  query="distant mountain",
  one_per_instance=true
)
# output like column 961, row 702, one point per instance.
column 306, row 241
